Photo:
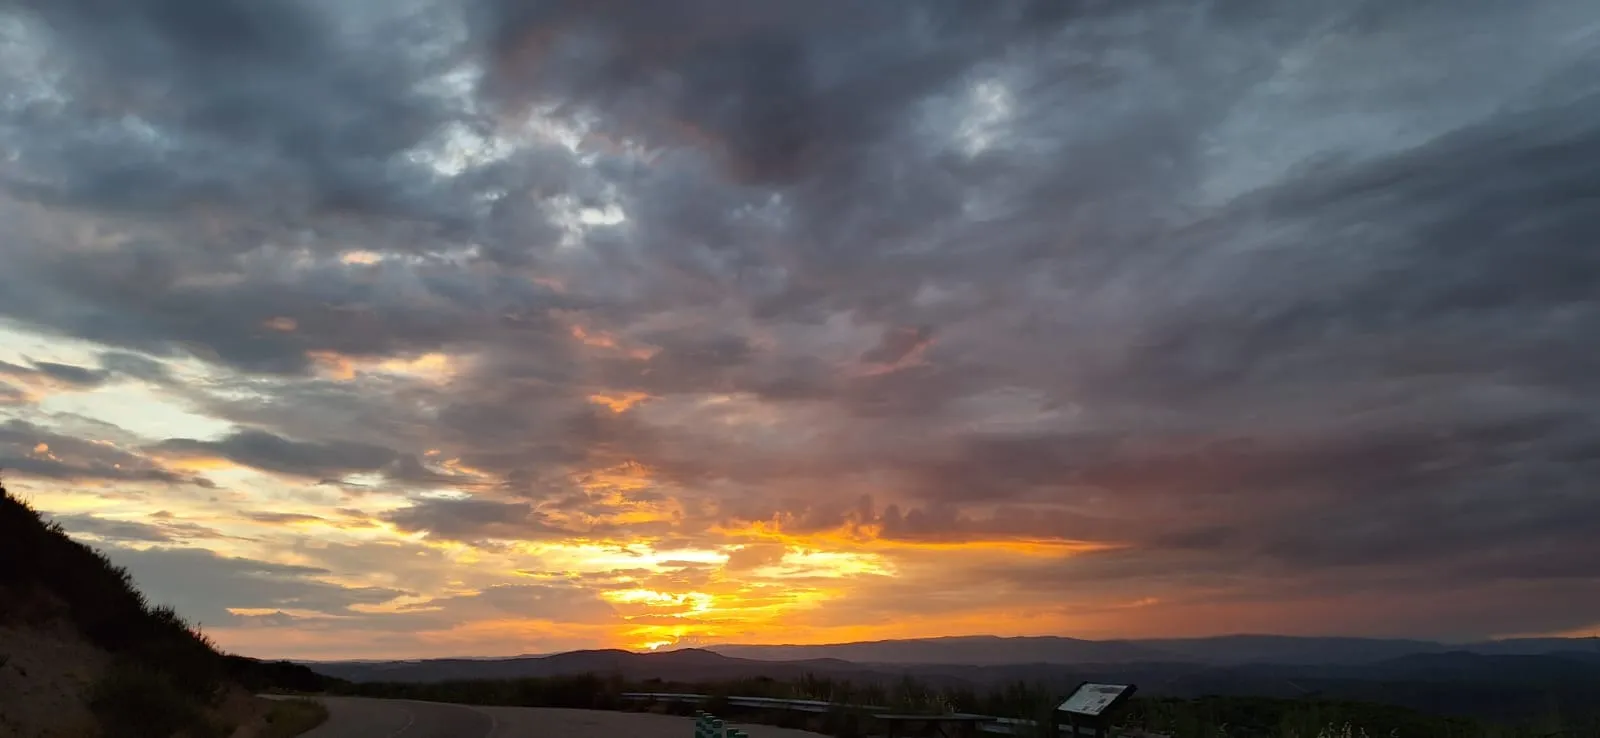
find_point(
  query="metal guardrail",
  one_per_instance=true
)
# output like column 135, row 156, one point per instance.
column 993, row 725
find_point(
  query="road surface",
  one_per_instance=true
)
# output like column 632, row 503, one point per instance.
column 359, row 717
column 351, row 717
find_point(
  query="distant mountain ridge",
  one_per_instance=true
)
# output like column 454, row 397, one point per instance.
column 957, row 655
column 1218, row 650
column 682, row 665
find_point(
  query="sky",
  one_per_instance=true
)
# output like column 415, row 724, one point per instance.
column 405, row 328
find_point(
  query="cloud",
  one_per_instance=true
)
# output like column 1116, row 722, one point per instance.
column 30, row 450
column 751, row 557
column 534, row 602
column 205, row 586
column 116, row 530
column 180, row 87
column 762, row 86
column 164, row 530
column 270, row 452
column 1202, row 302
column 49, row 372
column 136, row 366
column 473, row 520
column 278, row 518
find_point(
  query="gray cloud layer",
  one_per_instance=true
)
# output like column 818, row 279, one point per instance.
column 1300, row 292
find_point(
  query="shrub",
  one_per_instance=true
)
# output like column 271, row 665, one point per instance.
column 134, row 701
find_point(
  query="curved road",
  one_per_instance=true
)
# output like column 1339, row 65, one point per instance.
column 356, row 717
column 360, row 717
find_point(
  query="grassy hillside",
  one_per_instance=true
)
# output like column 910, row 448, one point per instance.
column 134, row 668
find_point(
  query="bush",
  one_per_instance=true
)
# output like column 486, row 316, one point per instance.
column 134, row 701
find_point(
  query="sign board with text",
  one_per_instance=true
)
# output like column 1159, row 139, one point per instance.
column 1093, row 699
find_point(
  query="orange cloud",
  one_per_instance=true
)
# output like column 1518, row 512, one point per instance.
column 619, row 403
column 603, row 340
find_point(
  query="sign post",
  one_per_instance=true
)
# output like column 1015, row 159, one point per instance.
column 1091, row 705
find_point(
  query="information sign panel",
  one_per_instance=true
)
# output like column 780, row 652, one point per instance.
column 1092, row 699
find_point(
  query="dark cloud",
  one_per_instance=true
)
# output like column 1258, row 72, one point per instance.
column 76, row 377
column 777, row 91
column 30, row 450
column 204, row 585
column 474, row 520
column 236, row 100
column 136, row 366
column 177, row 305
column 163, row 530
column 270, row 452
column 115, row 530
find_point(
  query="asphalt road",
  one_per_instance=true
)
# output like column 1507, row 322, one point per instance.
column 357, row 717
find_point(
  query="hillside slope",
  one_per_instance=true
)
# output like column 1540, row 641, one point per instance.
column 683, row 665
column 82, row 652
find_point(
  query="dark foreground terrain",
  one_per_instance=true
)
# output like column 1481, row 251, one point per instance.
column 82, row 652
column 1502, row 688
column 1303, row 716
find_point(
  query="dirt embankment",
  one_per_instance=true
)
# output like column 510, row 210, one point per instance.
column 44, row 682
